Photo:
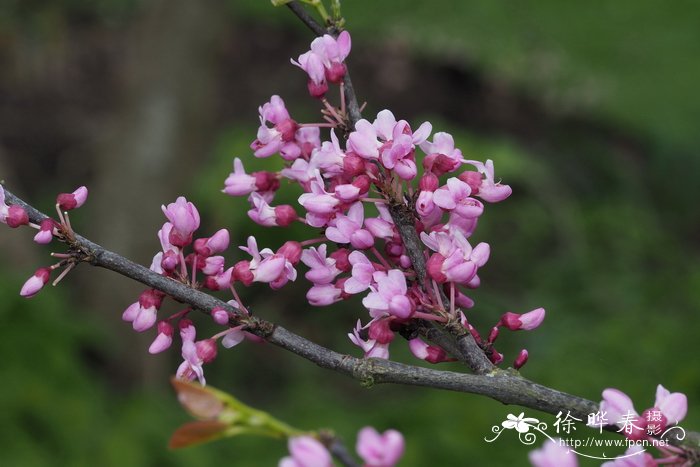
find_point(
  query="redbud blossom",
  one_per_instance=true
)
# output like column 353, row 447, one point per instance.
column 35, row 283
column 184, row 218
column 380, row 450
column 490, row 190
column 371, row 347
column 322, row 270
column 429, row 353
column 390, row 297
column 442, row 156
column 238, row 183
column 306, row 452
column 45, row 234
column 68, row 201
column 362, row 270
column 164, row 338
column 672, row 406
column 525, row 322
column 217, row 243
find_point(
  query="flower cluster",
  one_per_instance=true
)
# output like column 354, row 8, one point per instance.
column 350, row 188
column 376, row 450
column 16, row 216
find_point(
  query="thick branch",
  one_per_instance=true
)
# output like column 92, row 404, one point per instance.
column 501, row 385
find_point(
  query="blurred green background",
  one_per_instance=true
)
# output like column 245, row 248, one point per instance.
column 589, row 110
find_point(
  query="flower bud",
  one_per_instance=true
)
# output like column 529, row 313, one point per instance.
column 16, row 216
column 35, row 283
column 285, row 215
column 266, row 181
column 206, row 350
column 380, row 331
column 520, row 360
column 242, row 272
column 353, row 165
column 341, row 259
column 164, row 338
column 220, row 316
column 291, row 250
column 45, row 234
column 68, row 201
column 429, row 182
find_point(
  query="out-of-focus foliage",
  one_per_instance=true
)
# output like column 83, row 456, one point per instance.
column 605, row 240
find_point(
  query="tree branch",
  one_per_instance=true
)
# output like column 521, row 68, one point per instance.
column 505, row 386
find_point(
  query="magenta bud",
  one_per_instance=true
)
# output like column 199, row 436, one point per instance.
column 353, row 165
column 496, row 358
column 429, row 182
column 434, row 267
column 493, row 335
column 151, row 298
column 35, row 283
column 242, row 273
column 187, row 330
column 170, row 261
column 380, row 330
column 16, row 216
column 525, row 322
column 285, row 215
column 317, row 90
column 429, row 353
column 363, row 183
column 520, row 360
column 291, row 250
column 206, row 350
column 394, row 249
column 220, row 316
column 342, row 261
column 266, row 181
column 288, row 128
column 336, row 72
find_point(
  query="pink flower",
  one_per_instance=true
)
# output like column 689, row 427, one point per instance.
column 348, row 229
column 371, row 347
column 553, row 454
column 143, row 314
column 68, row 201
column 268, row 216
column 455, row 197
column 322, row 270
column 308, row 138
column 390, row 296
column 191, row 367
column 488, row 189
column 441, row 155
column 526, row 322
column 454, row 260
column 45, row 234
column 377, row 450
column 279, row 138
column 306, row 452
column 35, row 283
column 184, row 218
column 429, row 353
column 267, row 266
column 217, row 243
column 319, row 201
column 324, row 294
column 333, row 52
column 329, row 158
column 362, row 270
column 239, row 183
column 164, row 338
column 669, row 409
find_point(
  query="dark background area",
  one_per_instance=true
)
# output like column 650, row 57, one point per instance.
column 589, row 111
